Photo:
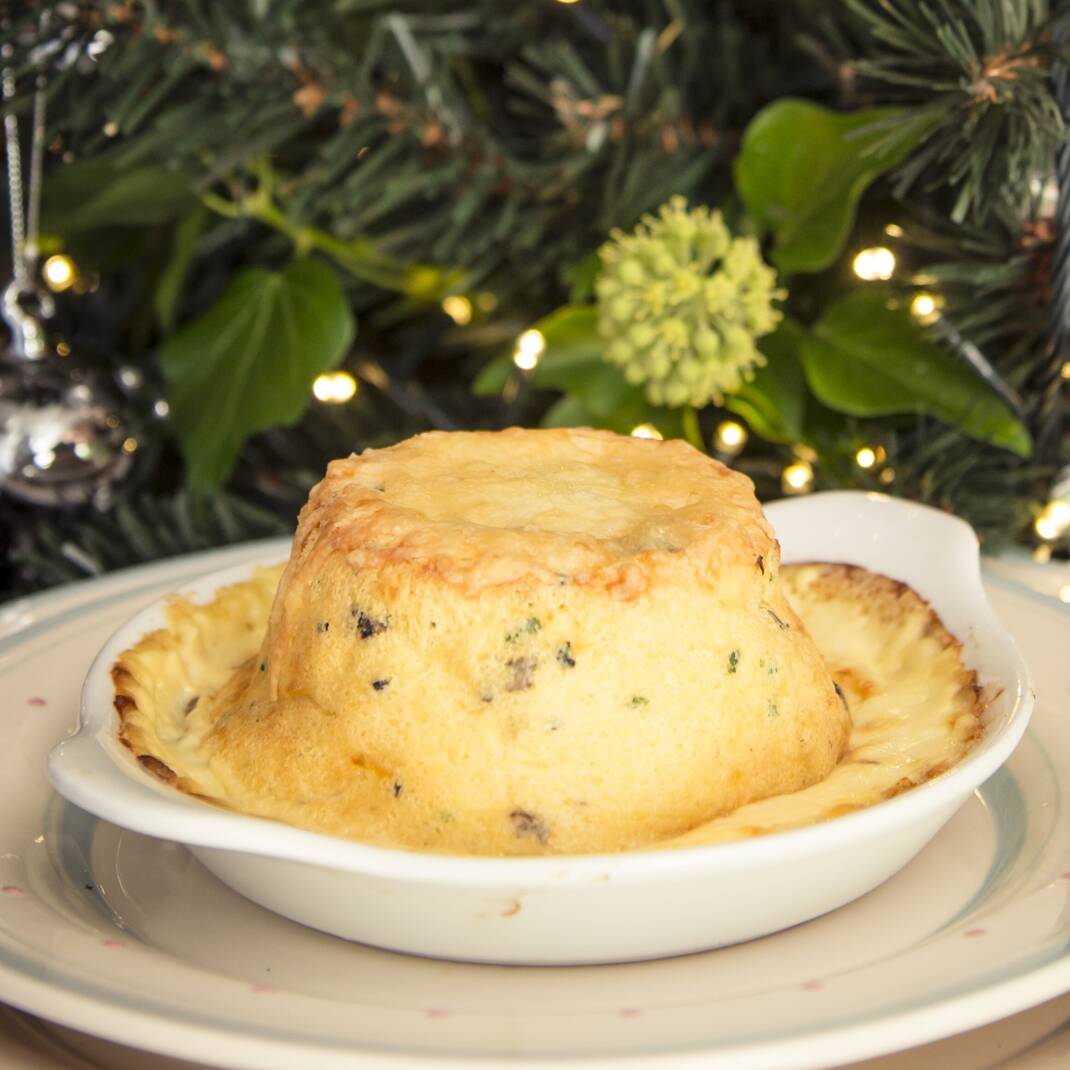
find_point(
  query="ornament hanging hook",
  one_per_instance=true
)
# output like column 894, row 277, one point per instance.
column 22, row 305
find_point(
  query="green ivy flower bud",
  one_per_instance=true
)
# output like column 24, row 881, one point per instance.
column 681, row 303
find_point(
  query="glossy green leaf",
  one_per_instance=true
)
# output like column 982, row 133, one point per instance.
column 248, row 363
column 568, row 412
column 802, row 168
column 774, row 402
column 573, row 349
column 99, row 193
column 493, row 376
column 865, row 357
column 580, row 277
column 572, row 363
column 183, row 245
column 596, row 393
column 573, row 353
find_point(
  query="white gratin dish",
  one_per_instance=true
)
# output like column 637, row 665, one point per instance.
column 573, row 909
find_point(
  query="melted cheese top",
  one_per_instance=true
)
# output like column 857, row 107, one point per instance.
column 584, row 504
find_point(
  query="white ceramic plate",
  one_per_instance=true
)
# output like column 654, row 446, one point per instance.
column 132, row 939
column 1035, row 1039
column 597, row 908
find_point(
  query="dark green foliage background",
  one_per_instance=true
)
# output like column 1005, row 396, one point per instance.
column 426, row 148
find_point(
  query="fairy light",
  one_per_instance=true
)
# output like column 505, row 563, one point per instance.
column 886, row 475
column 1046, row 528
column 458, row 308
column 797, row 478
column 1053, row 520
column 866, row 457
column 486, row 301
column 529, row 349
column 130, row 445
column 1064, row 371
column 730, row 437
column 893, row 230
column 877, row 263
column 925, row 307
column 59, row 272
column 334, row 388
column 1059, row 511
column 646, row 431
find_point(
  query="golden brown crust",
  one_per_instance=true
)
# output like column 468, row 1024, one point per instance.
column 871, row 601
column 152, row 697
column 479, row 509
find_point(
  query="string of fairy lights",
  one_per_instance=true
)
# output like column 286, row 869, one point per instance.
column 872, row 264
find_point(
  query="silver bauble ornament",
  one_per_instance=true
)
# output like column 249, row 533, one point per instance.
column 61, row 439
column 25, row 311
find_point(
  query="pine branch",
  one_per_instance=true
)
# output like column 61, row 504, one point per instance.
column 980, row 72
column 51, row 547
column 499, row 128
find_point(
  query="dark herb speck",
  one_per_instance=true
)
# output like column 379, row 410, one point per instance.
column 638, row 702
column 323, row 626
column 779, row 623
column 368, row 626
column 397, row 789
column 380, row 684
column 523, row 671
column 564, row 656
column 733, row 662
column 192, row 704
column 761, row 564
column 528, row 824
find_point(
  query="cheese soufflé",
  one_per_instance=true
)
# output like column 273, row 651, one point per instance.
column 501, row 643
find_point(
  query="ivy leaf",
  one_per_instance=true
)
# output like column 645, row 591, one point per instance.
column 572, row 355
column 580, row 277
column 801, row 170
column 573, row 349
column 187, row 232
column 774, row 402
column 247, row 364
column 596, row 394
column 866, row 357
column 493, row 376
column 98, row 193
column 569, row 411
